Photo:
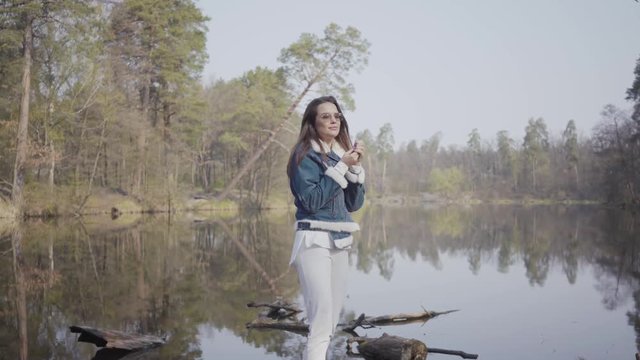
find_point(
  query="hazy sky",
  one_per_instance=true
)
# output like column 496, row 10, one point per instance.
column 451, row 65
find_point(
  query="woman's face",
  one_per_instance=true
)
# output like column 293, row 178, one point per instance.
column 328, row 121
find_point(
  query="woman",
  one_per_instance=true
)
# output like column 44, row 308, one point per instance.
column 327, row 182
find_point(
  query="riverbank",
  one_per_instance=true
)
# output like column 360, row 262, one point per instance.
column 65, row 202
column 40, row 202
column 431, row 199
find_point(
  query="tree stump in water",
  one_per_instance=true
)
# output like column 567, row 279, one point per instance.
column 116, row 339
column 388, row 347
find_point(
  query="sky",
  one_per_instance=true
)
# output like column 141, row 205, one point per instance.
column 450, row 66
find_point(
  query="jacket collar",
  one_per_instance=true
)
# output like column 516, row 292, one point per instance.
column 324, row 148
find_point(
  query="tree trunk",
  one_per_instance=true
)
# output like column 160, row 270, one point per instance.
column 533, row 174
column 94, row 169
column 17, row 196
column 575, row 171
column 20, row 292
column 142, row 140
column 370, row 171
column 384, row 174
column 52, row 165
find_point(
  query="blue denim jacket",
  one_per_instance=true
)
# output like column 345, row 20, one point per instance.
column 319, row 196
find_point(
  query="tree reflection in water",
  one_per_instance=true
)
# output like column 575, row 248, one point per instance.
column 177, row 279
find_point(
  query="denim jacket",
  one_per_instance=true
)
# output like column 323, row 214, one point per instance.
column 326, row 190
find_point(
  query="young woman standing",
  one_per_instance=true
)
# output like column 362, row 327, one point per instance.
column 327, row 183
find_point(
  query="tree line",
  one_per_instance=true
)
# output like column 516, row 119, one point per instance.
column 108, row 95
column 602, row 166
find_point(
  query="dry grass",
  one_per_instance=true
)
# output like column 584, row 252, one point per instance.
column 6, row 210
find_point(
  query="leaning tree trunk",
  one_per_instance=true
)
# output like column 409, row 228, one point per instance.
column 21, row 147
column 275, row 132
column 256, row 155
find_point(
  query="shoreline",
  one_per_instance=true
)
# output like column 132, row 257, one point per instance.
column 116, row 205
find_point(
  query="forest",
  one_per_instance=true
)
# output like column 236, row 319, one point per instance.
column 102, row 98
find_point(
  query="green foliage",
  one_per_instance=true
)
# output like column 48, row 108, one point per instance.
column 535, row 148
column 473, row 144
column 326, row 61
column 633, row 93
column 570, row 140
column 448, row 182
column 615, row 145
column 366, row 138
column 241, row 114
column 385, row 141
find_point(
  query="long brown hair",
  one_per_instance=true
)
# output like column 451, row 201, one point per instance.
column 308, row 132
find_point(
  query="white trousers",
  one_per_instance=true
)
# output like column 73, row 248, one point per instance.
column 323, row 279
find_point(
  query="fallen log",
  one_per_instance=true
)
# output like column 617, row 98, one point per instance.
column 388, row 347
column 405, row 318
column 367, row 322
column 282, row 316
column 297, row 327
column 116, row 339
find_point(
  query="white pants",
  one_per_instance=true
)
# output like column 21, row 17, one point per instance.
column 323, row 279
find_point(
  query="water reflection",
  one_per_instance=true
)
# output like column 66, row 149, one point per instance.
column 190, row 279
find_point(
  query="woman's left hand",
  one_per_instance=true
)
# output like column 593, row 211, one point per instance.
column 358, row 148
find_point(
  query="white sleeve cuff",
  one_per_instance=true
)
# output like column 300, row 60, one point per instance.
column 335, row 174
column 355, row 174
column 341, row 168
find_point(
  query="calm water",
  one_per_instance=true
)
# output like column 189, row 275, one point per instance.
column 531, row 283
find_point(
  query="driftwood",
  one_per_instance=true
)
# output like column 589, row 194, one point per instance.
column 367, row 322
column 119, row 354
column 113, row 339
column 279, row 311
column 280, row 315
column 388, row 347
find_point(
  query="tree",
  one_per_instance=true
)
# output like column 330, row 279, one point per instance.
column 448, row 182
column 429, row 151
column 507, row 157
column 384, row 144
column 614, row 144
column 473, row 144
column 25, row 17
column 366, row 138
column 313, row 62
column 570, row 147
column 242, row 114
column 161, row 48
column 536, row 144
column 23, row 124
column 633, row 94
column 474, row 157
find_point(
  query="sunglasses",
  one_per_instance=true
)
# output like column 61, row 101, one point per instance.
column 327, row 116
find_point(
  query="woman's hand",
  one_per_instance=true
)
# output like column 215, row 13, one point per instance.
column 358, row 147
column 352, row 157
